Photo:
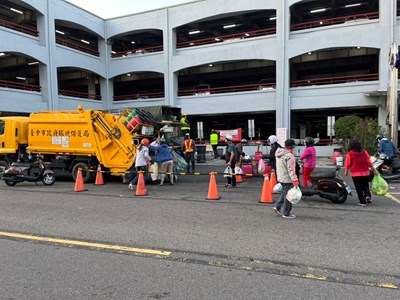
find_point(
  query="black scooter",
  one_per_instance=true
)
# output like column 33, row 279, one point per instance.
column 388, row 167
column 31, row 172
column 327, row 184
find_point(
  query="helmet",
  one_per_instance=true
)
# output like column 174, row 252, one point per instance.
column 273, row 139
column 290, row 143
column 145, row 142
column 379, row 137
column 163, row 140
column 187, row 134
column 229, row 137
column 309, row 141
column 244, row 141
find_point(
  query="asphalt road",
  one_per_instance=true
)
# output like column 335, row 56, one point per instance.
column 107, row 243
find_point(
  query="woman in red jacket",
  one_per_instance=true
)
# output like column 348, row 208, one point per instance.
column 359, row 164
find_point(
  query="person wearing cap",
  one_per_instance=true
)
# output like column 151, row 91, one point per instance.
column 142, row 158
column 189, row 149
column 230, row 160
column 214, row 142
column 286, row 175
column 163, row 159
column 273, row 140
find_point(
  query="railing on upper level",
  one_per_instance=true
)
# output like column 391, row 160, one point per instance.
column 139, row 96
column 79, row 94
column 137, row 51
column 227, row 89
column 227, row 38
column 334, row 80
column 18, row 27
column 334, row 21
column 78, row 47
column 20, row 86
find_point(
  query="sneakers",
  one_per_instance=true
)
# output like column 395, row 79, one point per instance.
column 362, row 204
column 130, row 186
column 278, row 211
column 290, row 216
column 161, row 183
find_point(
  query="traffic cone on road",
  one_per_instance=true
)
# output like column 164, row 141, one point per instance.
column 266, row 194
column 273, row 181
column 99, row 176
column 141, row 188
column 239, row 178
column 212, row 189
column 79, row 185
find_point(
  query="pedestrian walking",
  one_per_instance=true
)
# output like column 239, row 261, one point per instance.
column 230, row 160
column 309, row 157
column 142, row 158
column 163, row 159
column 286, row 175
column 359, row 163
column 189, row 149
column 273, row 141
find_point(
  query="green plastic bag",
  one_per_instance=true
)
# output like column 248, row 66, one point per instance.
column 379, row 186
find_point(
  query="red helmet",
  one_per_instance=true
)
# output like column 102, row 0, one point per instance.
column 145, row 142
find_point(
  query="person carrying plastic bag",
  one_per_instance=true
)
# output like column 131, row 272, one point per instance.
column 359, row 163
column 286, row 175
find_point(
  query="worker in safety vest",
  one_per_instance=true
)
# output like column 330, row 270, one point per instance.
column 189, row 149
column 214, row 142
column 185, row 126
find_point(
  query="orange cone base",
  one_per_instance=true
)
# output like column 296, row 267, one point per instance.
column 79, row 185
column 266, row 194
column 213, row 190
column 239, row 179
column 141, row 188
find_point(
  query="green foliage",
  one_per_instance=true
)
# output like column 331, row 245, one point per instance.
column 365, row 130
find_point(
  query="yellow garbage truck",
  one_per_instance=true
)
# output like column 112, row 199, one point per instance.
column 69, row 140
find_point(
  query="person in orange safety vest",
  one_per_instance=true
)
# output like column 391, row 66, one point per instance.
column 189, row 150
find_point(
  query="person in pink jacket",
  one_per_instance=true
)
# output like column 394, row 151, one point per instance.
column 309, row 156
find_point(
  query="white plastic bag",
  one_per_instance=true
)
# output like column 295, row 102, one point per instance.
column 261, row 166
column 228, row 172
column 238, row 170
column 294, row 195
column 154, row 172
column 278, row 188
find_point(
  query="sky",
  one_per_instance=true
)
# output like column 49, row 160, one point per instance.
column 114, row 8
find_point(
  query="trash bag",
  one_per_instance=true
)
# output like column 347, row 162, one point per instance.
column 278, row 188
column 294, row 195
column 238, row 170
column 154, row 172
column 181, row 164
column 379, row 185
column 261, row 166
column 228, row 172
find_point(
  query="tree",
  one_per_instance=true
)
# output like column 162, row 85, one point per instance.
column 365, row 130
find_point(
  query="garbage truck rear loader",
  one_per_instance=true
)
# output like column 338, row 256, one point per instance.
column 75, row 139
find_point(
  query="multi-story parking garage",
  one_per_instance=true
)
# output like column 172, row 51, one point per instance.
column 283, row 63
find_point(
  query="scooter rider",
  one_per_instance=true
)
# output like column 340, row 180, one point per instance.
column 386, row 150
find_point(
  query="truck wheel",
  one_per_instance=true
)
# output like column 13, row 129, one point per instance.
column 4, row 164
column 49, row 179
column 86, row 175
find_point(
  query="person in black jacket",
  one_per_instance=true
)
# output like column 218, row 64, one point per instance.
column 273, row 140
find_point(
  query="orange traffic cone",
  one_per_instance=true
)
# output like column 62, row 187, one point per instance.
column 212, row 189
column 239, row 178
column 273, row 181
column 266, row 194
column 79, row 185
column 141, row 188
column 99, row 176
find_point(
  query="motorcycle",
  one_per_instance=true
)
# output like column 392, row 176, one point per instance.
column 31, row 172
column 388, row 168
column 327, row 184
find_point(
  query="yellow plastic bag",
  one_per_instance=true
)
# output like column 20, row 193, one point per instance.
column 379, row 185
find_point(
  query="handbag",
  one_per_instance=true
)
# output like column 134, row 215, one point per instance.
column 294, row 195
